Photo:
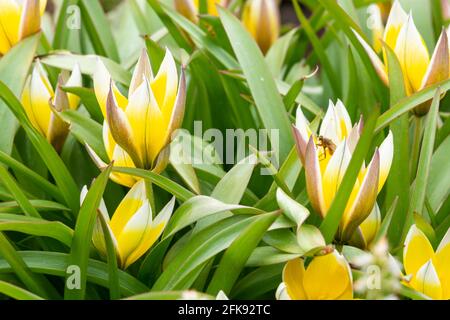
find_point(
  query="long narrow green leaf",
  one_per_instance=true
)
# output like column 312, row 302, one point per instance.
column 235, row 257
column 264, row 90
column 81, row 243
column 16, row 292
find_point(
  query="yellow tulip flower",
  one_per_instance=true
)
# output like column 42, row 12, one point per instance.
column 191, row 8
column 327, row 277
column 419, row 70
column 429, row 271
column 132, row 226
column 137, row 131
column 38, row 99
column 262, row 19
column 367, row 231
column 326, row 157
column 18, row 20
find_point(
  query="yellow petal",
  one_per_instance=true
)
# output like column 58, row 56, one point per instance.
column 75, row 80
column 417, row 250
column 9, row 23
column 386, row 155
column 427, row 281
column 442, row 264
column 142, row 71
column 370, row 226
column 336, row 124
column 187, row 8
column 293, row 275
column 397, row 18
column 133, row 233
column 30, row 20
column 327, row 277
column 128, row 207
column 102, row 82
column 413, row 55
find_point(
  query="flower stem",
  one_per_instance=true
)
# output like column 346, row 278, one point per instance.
column 150, row 196
column 416, row 147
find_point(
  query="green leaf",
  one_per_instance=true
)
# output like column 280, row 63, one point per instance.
column 17, row 293
column 173, row 188
column 36, row 283
column 36, row 227
column 89, row 100
column 258, row 282
column 200, row 207
column 31, row 176
column 277, row 53
column 55, row 263
column 235, row 257
column 438, row 189
column 81, row 242
column 291, row 208
column 261, row 83
column 266, row 256
column 419, row 190
column 331, row 222
column 97, row 27
column 86, row 131
column 40, row 205
column 66, row 61
column 201, row 247
column 398, row 180
column 63, row 179
column 10, row 183
column 14, row 67
column 172, row 295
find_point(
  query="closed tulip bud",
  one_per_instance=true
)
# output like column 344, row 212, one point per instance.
column 327, row 277
column 326, row 157
column 427, row 271
column 18, row 20
column 262, row 19
column 192, row 8
column 419, row 70
column 137, row 131
column 132, row 228
column 42, row 103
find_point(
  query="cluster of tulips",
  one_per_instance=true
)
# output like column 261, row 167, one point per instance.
column 138, row 129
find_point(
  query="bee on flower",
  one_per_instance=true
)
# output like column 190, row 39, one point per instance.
column 42, row 103
column 18, row 20
column 137, row 131
column 327, row 277
column 326, row 157
column 427, row 271
column 419, row 69
column 132, row 227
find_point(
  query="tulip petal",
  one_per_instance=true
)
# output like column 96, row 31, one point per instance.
column 142, row 71
column 427, row 281
column 128, row 207
column 438, row 69
column 334, row 172
column 9, row 24
column 293, row 276
column 177, row 117
column 397, row 19
column 165, row 85
column 102, row 83
column 152, row 232
column 413, row 55
column 327, row 277
column 58, row 129
column 370, row 226
column 361, row 207
column 442, row 263
column 344, row 121
column 376, row 61
column 330, row 127
column 302, row 132
column 30, row 21
column 75, row 80
column 417, row 250
column 267, row 24
column 187, row 9
column 282, row 293
column 314, row 178
column 121, row 129
column 386, row 155
column 133, row 233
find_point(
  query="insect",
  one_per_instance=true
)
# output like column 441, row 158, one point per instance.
column 326, row 143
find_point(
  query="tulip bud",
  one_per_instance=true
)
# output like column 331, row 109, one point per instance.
column 132, row 227
column 327, row 277
column 138, row 130
column 192, row 8
column 262, row 20
column 42, row 104
column 19, row 19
